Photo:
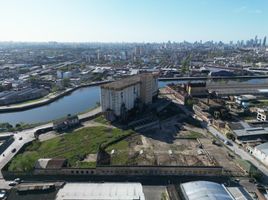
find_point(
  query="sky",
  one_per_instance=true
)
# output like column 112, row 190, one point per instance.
column 132, row 20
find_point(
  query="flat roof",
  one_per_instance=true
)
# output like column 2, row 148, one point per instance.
column 251, row 131
column 239, row 193
column 263, row 148
column 122, row 84
column 101, row 191
column 126, row 82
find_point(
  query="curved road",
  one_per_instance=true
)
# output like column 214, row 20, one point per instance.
column 23, row 137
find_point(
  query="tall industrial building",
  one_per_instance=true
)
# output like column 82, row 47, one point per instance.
column 121, row 96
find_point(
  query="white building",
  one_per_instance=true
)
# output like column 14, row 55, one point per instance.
column 67, row 75
column 101, row 191
column 261, row 153
column 262, row 114
column 59, row 74
column 120, row 96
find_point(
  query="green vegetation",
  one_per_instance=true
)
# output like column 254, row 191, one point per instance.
column 230, row 136
column 185, row 64
column 4, row 127
column 66, row 82
column 253, row 171
column 73, row 146
column 120, row 157
column 194, row 135
column 101, row 119
column 86, row 164
column 262, row 103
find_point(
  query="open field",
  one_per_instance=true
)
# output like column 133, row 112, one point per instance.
column 74, row 146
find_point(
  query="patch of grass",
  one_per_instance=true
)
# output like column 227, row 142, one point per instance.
column 122, row 145
column 74, row 147
column 101, row 119
column 84, row 164
column 194, row 135
column 120, row 158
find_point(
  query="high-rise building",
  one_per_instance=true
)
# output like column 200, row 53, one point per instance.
column 120, row 96
column 264, row 41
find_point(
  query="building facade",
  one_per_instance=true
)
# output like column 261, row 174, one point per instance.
column 121, row 96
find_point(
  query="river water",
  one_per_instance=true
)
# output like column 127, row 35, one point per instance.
column 82, row 100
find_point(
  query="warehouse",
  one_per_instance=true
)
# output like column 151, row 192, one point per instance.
column 206, row 190
column 101, row 191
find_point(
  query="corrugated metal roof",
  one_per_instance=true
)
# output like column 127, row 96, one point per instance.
column 101, row 191
column 205, row 190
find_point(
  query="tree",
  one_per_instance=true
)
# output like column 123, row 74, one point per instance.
column 186, row 64
column 66, row 82
column 230, row 136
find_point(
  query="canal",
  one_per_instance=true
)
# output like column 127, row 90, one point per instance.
column 82, row 100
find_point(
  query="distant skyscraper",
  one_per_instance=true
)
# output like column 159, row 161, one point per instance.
column 256, row 39
column 264, row 41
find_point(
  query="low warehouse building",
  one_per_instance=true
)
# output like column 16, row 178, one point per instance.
column 101, row 191
column 205, row 190
column 261, row 153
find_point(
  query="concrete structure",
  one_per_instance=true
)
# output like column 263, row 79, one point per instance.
column 12, row 97
column 206, row 190
column 121, row 96
column 262, row 114
column 196, row 89
column 261, row 153
column 251, row 133
column 101, row 191
column 66, row 123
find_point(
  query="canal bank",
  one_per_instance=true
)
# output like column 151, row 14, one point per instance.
column 22, row 107
column 87, row 98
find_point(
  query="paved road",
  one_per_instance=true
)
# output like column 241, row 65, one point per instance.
column 234, row 147
column 23, row 137
column 239, row 151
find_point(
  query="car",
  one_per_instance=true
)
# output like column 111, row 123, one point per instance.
column 237, row 180
column 20, row 138
column 13, row 183
column 252, row 180
column 17, row 180
column 14, row 150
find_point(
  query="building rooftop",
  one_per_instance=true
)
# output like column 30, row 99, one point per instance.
column 126, row 82
column 251, row 131
column 239, row 193
column 263, row 148
column 122, row 84
column 205, row 190
column 101, row 191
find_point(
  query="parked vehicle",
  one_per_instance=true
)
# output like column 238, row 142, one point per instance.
column 13, row 183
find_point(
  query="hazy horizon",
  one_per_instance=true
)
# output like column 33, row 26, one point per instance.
column 117, row 21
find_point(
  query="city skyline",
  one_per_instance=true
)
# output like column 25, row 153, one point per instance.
column 129, row 21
